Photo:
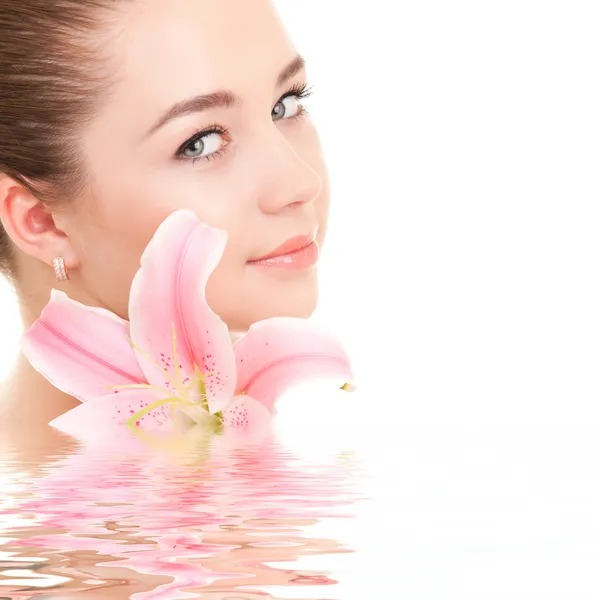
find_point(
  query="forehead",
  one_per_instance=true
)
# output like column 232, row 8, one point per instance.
column 178, row 46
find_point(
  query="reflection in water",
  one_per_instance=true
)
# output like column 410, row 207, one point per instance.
column 201, row 523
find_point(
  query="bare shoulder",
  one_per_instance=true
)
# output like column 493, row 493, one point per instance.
column 6, row 393
column 24, row 430
column 28, row 403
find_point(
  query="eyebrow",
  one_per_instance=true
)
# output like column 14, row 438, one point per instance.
column 220, row 98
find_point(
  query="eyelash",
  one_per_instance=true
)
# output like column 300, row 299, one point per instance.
column 300, row 90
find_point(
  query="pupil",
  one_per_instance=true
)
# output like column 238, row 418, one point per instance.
column 279, row 108
column 198, row 145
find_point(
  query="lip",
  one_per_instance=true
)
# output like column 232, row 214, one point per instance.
column 287, row 248
column 297, row 254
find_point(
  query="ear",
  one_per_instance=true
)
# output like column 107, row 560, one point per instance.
column 31, row 227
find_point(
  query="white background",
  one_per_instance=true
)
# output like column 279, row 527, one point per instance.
column 461, row 271
column 464, row 145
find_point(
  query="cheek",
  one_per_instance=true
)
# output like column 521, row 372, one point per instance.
column 225, row 294
column 310, row 149
column 137, row 204
column 126, row 219
column 323, row 205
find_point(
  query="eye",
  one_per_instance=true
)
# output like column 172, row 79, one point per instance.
column 203, row 145
column 289, row 105
column 286, row 108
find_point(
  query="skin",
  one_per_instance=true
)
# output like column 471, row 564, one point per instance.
column 267, row 183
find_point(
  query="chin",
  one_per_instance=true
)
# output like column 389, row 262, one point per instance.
column 263, row 294
column 298, row 303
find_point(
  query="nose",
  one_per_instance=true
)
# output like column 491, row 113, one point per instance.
column 287, row 180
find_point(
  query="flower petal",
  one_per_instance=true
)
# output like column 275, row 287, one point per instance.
column 168, row 296
column 280, row 352
column 246, row 422
column 81, row 350
column 245, row 412
column 104, row 419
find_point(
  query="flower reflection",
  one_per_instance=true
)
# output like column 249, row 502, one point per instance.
column 200, row 523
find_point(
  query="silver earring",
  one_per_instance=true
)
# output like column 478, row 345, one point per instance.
column 60, row 269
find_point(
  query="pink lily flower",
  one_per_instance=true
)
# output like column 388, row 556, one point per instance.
column 173, row 364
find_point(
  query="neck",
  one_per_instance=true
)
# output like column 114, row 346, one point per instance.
column 33, row 283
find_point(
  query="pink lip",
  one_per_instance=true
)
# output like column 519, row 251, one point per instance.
column 297, row 253
column 292, row 245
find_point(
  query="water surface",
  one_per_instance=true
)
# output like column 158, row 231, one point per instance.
column 215, row 520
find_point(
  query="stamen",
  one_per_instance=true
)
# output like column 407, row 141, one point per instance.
column 200, row 377
column 142, row 413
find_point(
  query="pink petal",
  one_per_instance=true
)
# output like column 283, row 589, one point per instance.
column 169, row 290
column 247, row 422
column 81, row 349
column 278, row 353
column 103, row 419
column 246, row 413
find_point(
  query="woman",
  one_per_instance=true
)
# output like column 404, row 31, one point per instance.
column 115, row 113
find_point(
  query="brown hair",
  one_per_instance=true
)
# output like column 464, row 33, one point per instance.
column 53, row 77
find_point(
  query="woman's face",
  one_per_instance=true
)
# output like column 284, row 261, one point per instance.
column 246, row 160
